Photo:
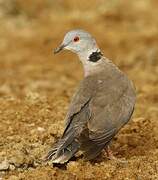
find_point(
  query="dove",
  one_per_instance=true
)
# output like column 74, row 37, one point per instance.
column 102, row 104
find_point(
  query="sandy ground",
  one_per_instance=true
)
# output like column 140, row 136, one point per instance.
column 36, row 86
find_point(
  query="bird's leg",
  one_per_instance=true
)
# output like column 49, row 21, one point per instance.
column 109, row 153
column 110, row 156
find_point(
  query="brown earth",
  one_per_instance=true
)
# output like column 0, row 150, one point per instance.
column 36, row 86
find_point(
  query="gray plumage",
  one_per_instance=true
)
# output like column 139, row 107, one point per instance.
column 102, row 104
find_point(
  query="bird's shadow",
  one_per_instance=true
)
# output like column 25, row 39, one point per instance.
column 60, row 166
column 100, row 158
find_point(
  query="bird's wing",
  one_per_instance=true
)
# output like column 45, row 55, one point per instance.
column 79, row 105
column 111, row 108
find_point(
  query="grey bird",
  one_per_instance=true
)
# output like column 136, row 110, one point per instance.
column 102, row 105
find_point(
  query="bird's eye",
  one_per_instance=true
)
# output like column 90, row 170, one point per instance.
column 76, row 39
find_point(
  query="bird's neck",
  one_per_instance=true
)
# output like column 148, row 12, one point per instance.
column 92, row 61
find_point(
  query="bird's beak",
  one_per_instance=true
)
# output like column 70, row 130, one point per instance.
column 58, row 49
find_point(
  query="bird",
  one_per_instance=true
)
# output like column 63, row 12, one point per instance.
column 102, row 104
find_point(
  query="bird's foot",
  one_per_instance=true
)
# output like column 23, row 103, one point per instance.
column 110, row 156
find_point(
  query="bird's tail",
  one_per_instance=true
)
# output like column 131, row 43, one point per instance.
column 63, row 150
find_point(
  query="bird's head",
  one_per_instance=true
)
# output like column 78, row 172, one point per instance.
column 79, row 42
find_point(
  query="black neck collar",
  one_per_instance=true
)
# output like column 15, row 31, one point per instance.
column 95, row 56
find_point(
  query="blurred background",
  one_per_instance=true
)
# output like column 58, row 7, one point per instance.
column 36, row 86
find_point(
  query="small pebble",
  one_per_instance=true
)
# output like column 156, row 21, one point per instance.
column 11, row 167
column 4, row 165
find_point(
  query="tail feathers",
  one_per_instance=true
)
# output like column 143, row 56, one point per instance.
column 62, row 151
column 92, row 151
column 91, row 148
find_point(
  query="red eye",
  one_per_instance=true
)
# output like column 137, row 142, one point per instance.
column 76, row 39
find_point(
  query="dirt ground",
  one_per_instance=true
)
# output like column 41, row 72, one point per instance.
column 36, row 86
